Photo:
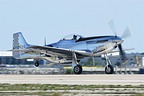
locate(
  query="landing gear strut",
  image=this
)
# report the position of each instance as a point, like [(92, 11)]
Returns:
[(109, 68), (76, 67)]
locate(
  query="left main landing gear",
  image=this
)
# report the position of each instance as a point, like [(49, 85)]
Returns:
[(109, 68)]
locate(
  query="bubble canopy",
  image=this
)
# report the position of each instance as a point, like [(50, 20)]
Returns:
[(72, 37)]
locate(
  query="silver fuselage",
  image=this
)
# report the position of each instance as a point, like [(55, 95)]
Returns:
[(98, 45)]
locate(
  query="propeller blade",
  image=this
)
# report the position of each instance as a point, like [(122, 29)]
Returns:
[(122, 54), (112, 26), (126, 33)]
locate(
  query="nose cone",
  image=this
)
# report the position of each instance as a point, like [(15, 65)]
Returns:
[(118, 40)]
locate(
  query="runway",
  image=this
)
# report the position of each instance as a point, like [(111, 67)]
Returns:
[(74, 79)]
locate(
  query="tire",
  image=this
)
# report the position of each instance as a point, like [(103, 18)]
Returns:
[(78, 69), (37, 64), (109, 69)]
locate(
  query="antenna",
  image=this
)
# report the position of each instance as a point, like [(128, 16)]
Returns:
[(45, 41)]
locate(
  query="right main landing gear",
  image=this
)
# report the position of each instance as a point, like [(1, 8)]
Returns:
[(76, 67), (109, 68)]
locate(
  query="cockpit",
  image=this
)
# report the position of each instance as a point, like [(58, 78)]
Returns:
[(72, 37)]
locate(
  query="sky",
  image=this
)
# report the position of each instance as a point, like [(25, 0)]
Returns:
[(54, 19)]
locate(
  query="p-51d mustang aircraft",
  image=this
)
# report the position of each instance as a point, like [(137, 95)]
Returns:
[(69, 49)]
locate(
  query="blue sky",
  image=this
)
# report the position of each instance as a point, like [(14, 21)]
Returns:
[(54, 19)]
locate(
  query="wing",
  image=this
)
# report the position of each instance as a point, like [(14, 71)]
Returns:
[(115, 51), (61, 52)]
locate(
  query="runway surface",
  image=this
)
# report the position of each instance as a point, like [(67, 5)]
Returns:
[(82, 79)]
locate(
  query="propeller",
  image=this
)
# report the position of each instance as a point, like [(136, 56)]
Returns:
[(124, 35), (122, 54), (112, 26)]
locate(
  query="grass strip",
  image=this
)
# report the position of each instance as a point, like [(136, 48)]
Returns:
[(26, 87)]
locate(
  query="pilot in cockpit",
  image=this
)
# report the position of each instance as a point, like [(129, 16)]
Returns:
[(74, 37)]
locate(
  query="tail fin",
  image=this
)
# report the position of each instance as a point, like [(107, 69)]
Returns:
[(19, 43)]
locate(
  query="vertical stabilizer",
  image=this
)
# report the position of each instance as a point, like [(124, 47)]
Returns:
[(19, 44)]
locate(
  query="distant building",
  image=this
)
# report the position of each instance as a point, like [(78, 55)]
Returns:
[(7, 58)]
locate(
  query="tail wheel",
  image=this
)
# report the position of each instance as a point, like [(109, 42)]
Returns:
[(36, 63), (109, 69), (78, 69)]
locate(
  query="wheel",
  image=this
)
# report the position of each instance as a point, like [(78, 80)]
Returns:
[(109, 69), (78, 69), (36, 63)]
